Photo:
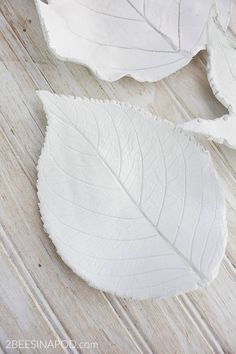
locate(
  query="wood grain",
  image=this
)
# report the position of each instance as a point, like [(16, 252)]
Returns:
[(40, 296)]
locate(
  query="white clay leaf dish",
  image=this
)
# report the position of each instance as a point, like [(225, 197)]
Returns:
[(148, 39), (132, 204), (222, 78)]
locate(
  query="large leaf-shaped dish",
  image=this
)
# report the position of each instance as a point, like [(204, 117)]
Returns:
[(222, 78), (131, 203), (145, 39)]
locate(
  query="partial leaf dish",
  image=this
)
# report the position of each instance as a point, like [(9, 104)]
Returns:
[(222, 78), (145, 39), (132, 204)]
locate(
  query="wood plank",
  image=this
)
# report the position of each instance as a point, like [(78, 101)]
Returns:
[(166, 326), (20, 317), (217, 307)]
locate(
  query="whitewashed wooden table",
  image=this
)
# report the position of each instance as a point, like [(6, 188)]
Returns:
[(41, 298)]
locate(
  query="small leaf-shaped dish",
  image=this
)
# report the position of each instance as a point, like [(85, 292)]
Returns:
[(145, 39), (132, 204), (222, 78)]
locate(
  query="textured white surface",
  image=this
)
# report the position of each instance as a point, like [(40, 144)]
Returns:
[(222, 78), (145, 39), (202, 321), (131, 203)]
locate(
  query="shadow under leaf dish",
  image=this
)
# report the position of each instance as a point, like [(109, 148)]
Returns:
[(222, 78), (147, 40), (132, 204)]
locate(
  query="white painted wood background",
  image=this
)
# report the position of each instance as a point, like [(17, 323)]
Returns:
[(40, 296)]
